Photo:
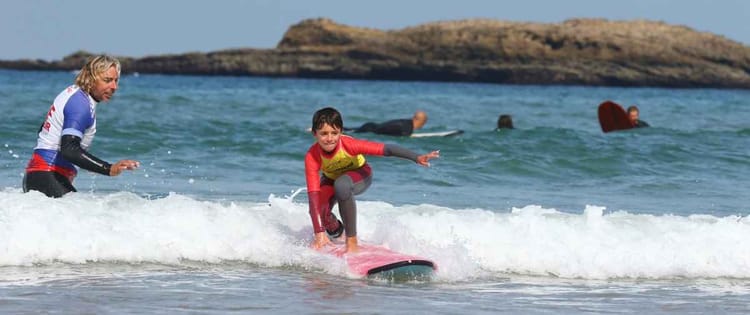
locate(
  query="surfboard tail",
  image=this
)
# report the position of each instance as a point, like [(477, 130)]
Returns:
[(374, 261), (612, 117)]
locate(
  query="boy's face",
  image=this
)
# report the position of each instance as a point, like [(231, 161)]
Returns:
[(327, 137)]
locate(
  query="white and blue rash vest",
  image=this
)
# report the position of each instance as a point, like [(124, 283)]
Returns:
[(72, 113)]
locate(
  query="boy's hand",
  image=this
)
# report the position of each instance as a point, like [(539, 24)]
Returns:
[(424, 159), (321, 239)]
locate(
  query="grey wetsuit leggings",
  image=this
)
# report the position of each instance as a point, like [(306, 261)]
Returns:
[(345, 188)]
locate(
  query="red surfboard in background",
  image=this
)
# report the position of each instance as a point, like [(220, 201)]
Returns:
[(612, 117)]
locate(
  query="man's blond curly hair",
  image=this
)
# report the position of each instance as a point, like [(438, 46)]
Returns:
[(93, 69)]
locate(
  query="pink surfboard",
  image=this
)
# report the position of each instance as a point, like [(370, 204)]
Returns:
[(379, 261)]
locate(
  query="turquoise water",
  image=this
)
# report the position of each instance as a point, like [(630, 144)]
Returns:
[(554, 216)]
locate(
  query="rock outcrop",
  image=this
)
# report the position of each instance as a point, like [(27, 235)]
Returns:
[(575, 52)]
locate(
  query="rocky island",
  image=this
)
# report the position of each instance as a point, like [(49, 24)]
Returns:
[(575, 52)]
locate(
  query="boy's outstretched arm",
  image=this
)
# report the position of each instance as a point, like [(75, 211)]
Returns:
[(395, 150)]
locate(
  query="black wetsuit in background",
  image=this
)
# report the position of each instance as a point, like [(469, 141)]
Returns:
[(396, 127), (640, 124)]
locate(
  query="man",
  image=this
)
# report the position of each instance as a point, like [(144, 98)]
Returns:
[(69, 128), (633, 114), (396, 127)]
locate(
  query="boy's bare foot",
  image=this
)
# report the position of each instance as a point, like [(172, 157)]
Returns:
[(351, 244)]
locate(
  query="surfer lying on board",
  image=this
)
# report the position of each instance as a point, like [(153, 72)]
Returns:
[(346, 173), (396, 127), (633, 114), (69, 128)]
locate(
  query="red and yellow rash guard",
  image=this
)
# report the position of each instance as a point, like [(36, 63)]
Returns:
[(347, 156)]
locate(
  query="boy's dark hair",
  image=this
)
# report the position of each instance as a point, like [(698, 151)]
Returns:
[(328, 115), (632, 108)]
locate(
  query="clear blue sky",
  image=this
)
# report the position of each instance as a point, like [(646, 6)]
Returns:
[(52, 29)]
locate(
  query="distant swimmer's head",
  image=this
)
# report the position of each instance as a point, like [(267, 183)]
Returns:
[(633, 114), (419, 119), (504, 122), (326, 127), (99, 77)]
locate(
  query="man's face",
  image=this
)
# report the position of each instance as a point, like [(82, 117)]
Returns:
[(633, 115), (106, 86)]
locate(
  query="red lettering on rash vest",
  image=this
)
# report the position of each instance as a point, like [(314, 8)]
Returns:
[(47, 124)]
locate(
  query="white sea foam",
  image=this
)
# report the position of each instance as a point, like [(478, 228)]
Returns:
[(465, 243)]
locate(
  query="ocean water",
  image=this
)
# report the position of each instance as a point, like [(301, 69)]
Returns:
[(551, 217)]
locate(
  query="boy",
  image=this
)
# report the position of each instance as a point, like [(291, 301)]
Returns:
[(345, 174)]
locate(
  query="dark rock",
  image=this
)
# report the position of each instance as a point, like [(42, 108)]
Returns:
[(579, 51)]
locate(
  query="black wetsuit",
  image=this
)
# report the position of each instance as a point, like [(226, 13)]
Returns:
[(396, 127), (640, 124), (54, 184)]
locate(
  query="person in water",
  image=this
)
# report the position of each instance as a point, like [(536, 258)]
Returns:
[(396, 127), (504, 122), (633, 114), (69, 128), (346, 173)]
